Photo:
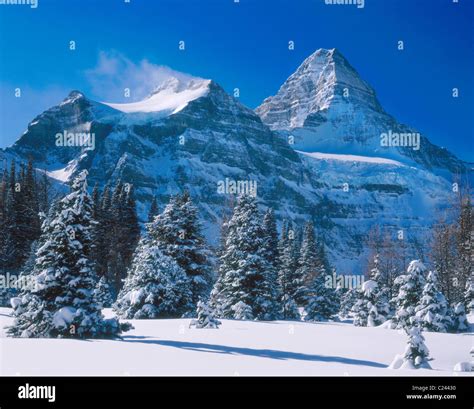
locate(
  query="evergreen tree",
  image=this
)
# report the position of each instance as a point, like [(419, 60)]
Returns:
[(177, 232), (416, 353), (96, 205), (272, 257), (432, 312), (102, 293), (409, 294), (469, 295), (205, 317), (117, 233), (459, 320), (155, 287), (242, 311), (348, 299), (154, 211), (242, 288), (322, 304), (310, 265), (362, 306), (44, 193), (288, 282), (379, 310), (465, 246), (129, 228), (106, 235), (61, 303)]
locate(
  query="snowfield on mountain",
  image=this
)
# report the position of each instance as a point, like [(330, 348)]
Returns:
[(170, 347)]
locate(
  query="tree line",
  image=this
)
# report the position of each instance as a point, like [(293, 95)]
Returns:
[(258, 272)]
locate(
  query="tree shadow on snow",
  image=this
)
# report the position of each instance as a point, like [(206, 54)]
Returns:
[(261, 353)]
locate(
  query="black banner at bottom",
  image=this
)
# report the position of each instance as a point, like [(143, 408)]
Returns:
[(236, 392)]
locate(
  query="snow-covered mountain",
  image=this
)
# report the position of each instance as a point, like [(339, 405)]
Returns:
[(189, 133), (327, 107)]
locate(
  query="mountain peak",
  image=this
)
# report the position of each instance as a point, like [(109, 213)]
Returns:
[(73, 97), (169, 97), (323, 79), (177, 84)]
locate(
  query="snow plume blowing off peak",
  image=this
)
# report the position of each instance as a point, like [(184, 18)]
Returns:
[(143, 86)]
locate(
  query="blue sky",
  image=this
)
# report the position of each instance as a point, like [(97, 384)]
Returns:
[(242, 45)]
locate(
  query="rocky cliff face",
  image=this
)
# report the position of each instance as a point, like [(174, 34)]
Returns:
[(193, 135)]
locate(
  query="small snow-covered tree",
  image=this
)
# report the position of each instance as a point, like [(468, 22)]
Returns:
[(61, 302), (206, 317), (432, 312), (379, 310), (242, 311), (348, 299), (102, 293), (289, 309), (469, 295), (244, 265), (322, 304), (371, 306), (459, 320), (363, 305), (154, 211), (309, 265), (155, 287), (409, 294), (416, 353), (289, 282), (272, 256)]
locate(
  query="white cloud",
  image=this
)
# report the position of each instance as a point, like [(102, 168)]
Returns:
[(114, 73)]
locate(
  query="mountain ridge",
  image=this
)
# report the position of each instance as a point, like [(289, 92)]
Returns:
[(214, 137)]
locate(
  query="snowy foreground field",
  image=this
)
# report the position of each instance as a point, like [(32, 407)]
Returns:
[(169, 347)]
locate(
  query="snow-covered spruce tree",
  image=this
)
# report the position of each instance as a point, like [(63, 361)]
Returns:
[(272, 256), (206, 317), (362, 306), (155, 286), (465, 246), (61, 302), (154, 211), (102, 293), (287, 281), (469, 295), (416, 353), (379, 310), (322, 301), (177, 232), (348, 299), (432, 312), (309, 265), (243, 266), (459, 319), (242, 311), (409, 294)]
